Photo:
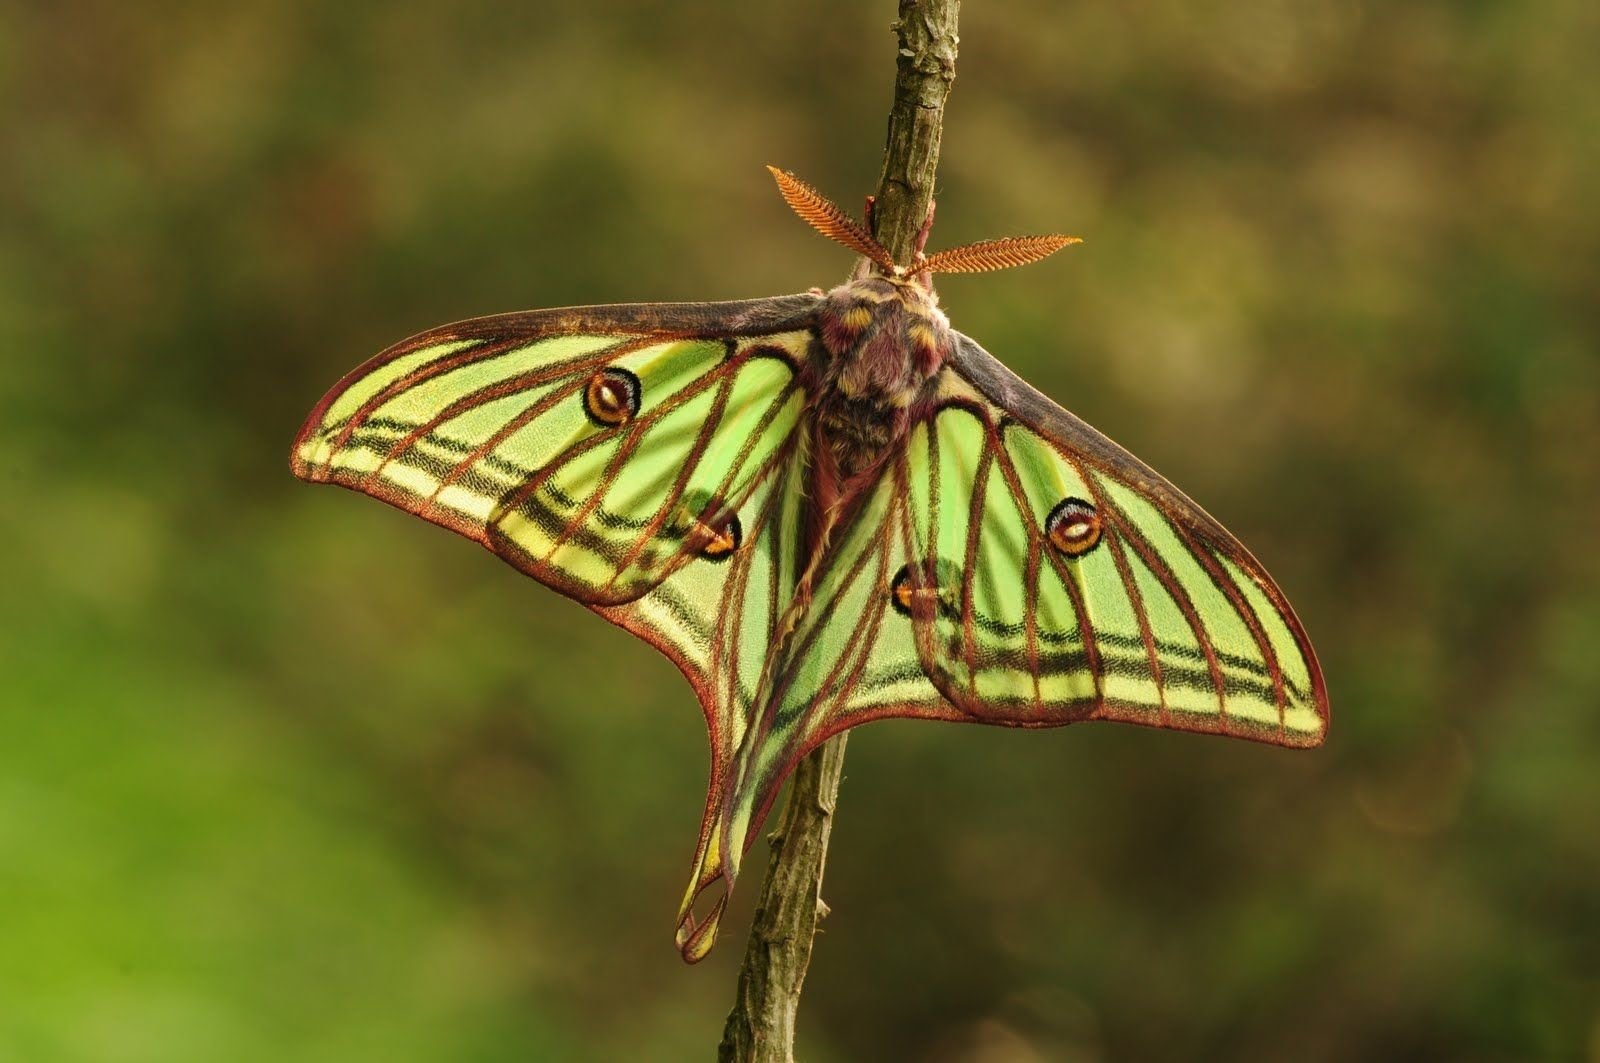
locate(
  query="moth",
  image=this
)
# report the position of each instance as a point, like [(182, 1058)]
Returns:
[(826, 509)]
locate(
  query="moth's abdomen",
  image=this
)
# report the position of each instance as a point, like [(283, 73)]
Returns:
[(858, 431)]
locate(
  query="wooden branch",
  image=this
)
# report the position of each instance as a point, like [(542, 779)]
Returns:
[(927, 69), (760, 1028)]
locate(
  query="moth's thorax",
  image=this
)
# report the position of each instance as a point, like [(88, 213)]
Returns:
[(883, 340), (886, 337)]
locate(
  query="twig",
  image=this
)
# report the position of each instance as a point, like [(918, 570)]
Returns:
[(927, 69), (760, 1028)]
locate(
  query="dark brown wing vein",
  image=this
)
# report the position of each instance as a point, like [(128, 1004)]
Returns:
[(1030, 617), (634, 440), (1091, 646), (922, 628), (481, 352), (749, 444), (734, 596), (725, 643), (1169, 580), (719, 407), (637, 429), (1246, 613), (499, 389), (823, 616), (777, 586), (471, 355), (504, 432), (866, 640), (969, 635), (1120, 559)]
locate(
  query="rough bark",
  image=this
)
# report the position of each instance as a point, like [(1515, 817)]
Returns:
[(926, 70), (760, 1028)]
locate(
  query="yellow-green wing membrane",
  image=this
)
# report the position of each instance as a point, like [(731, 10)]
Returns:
[(1061, 579), (597, 449)]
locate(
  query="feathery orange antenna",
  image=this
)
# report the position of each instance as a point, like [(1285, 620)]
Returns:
[(995, 254), (822, 215), (818, 212)]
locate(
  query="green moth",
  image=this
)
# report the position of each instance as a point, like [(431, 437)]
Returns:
[(825, 509)]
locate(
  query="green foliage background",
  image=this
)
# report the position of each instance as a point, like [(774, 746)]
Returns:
[(286, 775)]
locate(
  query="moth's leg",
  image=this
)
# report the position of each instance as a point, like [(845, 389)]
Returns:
[(869, 213), (923, 277), (863, 268), (922, 233)]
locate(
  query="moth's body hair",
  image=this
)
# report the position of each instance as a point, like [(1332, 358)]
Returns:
[(880, 343)]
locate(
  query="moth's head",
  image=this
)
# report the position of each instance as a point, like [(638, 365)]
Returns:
[(821, 214)]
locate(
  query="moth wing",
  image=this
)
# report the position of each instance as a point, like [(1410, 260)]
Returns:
[(1063, 579), (488, 427), (641, 459)]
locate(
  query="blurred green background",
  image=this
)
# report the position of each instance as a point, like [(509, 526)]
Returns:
[(287, 775)]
